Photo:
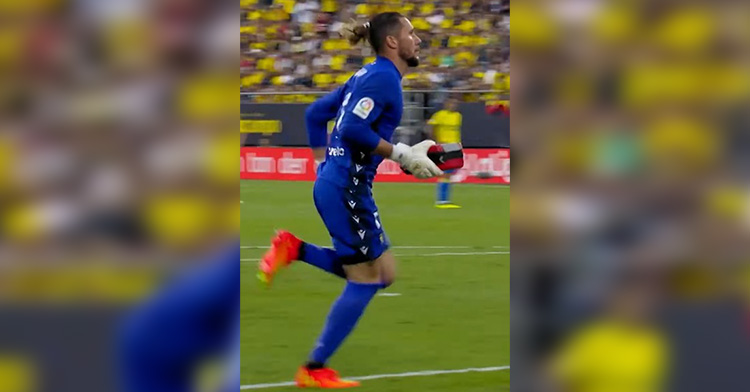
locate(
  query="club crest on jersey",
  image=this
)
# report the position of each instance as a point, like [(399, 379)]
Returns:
[(363, 108)]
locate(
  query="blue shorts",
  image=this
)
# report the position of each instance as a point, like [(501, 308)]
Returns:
[(352, 220)]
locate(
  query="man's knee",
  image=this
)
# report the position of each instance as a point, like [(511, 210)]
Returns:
[(368, 272), (387, 282), (387, 269), (381, 270)]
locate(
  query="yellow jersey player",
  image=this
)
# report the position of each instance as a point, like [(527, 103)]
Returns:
[(622, 350), (446, 128)]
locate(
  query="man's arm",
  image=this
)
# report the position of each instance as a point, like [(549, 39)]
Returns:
[(384, 149), (414, 158), (319, 154), (317, 116), (363, 108)]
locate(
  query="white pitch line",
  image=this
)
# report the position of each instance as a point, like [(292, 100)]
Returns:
[(447, 246), (435, 254), (394, 247), (395, 375), (453, 254), (263, 386), (389, 294)]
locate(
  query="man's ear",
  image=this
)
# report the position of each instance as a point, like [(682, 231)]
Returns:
[(391, 41)]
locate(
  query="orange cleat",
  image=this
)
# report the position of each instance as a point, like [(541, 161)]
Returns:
[(284, 250), (321, 378)]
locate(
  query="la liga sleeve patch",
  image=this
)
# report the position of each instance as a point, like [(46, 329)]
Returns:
[(363, 108)]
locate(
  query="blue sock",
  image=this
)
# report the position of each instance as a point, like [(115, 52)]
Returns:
[(447, 185), (442, 191), (344, 315), (323, 258)]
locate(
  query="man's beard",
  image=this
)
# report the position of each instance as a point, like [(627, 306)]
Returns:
[(412, 61)]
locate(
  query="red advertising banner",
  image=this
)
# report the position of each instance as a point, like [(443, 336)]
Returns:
[(481, 166)]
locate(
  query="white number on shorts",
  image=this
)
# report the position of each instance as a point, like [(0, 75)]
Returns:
[(377, 219)]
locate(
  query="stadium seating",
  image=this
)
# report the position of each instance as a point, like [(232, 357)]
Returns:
[(294, 45)]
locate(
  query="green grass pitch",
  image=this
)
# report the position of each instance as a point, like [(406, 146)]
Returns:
[(453, 279)]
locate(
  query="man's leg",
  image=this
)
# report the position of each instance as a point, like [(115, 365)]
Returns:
[(352, 220), (323, 258), (364, 281), (444, 191), (447, 184), (286, 248)]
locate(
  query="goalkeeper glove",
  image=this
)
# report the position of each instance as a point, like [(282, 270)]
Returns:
[(414, 159)]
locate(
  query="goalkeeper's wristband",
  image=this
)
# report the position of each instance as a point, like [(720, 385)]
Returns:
[(400, 152)]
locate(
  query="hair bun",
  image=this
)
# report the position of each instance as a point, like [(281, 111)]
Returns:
[(355, 32)]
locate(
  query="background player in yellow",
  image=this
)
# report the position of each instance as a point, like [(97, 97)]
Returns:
[(446, 128), (621, 350)]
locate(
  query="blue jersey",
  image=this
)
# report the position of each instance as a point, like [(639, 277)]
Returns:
[(366, 109)]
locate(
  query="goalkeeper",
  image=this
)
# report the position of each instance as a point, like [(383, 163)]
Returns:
[(367, 110)]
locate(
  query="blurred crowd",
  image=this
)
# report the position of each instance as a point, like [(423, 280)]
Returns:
[(295, 45), (118, 150), (112, 128), (631, 202)]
